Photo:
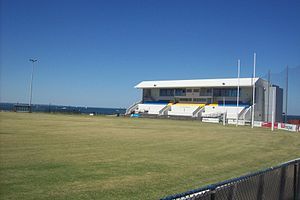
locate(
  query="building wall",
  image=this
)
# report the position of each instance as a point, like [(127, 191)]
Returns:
[(154, 95), (267, 107), (278, 103), (264, 101), (259, 103), (245, 96)]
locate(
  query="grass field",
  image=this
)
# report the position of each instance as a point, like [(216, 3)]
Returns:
[(52, 156)]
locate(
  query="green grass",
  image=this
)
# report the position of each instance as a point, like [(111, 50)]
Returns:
[(44, 156)]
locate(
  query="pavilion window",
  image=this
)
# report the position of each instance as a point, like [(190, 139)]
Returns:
[(180, 92), (166, 92)]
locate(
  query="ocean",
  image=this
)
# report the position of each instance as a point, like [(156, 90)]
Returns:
[(82, 110), (66, 109)]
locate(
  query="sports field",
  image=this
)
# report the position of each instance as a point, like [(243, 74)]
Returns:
[(53, 156)]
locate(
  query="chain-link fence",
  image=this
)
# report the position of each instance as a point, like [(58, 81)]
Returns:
[(288, 80), (276, 183)]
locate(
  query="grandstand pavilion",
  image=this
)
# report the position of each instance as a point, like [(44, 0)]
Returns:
[(209, 98)]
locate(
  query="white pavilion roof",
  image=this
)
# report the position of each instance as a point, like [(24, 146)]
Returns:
[(226, 82)]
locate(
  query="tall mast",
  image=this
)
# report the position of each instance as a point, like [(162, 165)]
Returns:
[(286, 93), (238, 93), (253, 91), (268, 97)]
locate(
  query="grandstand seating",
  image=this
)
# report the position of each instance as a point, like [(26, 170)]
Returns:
[(191, 109), (151, 107), (214, 111), (184, 109)]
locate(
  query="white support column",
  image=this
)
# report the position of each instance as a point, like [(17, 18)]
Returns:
[(253, 90), (238, 93)]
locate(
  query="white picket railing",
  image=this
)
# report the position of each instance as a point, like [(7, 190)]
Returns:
[(132, 107)]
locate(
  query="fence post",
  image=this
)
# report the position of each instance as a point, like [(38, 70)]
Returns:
[(213, 195), (260, 190), (296, 180), (231, 191), (282, 182)]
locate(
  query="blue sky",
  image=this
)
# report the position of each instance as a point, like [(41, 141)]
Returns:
[(92, 53)]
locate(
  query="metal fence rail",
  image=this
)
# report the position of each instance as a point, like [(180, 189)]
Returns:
[(281, 182)]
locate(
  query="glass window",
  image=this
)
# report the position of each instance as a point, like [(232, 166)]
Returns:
[(147, 92), (217, 92), (185, 99), (180, 92), (233, 93), (225, 92), (202, 100), (205, 91), (166, 92), (196, 90), (189, 90)]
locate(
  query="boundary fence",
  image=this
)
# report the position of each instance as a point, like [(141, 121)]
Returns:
[(281, 182)]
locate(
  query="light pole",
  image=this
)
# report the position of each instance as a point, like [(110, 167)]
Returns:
[(238, 93), (30, 97)]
